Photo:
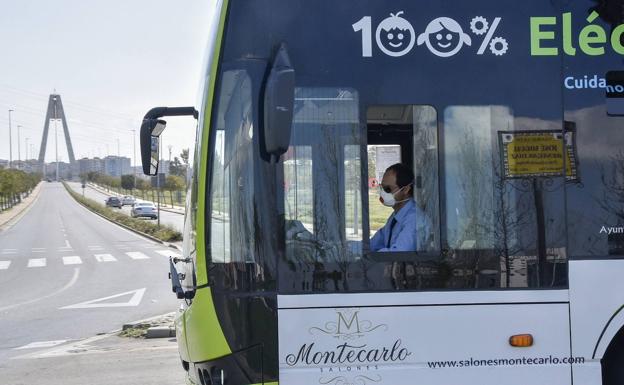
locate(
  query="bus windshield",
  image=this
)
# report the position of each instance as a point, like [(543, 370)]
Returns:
[(491, 143)]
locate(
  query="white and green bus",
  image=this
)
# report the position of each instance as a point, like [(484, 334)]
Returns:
[(508, 113)]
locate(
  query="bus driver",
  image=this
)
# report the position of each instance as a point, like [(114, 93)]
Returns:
[(400, 231)]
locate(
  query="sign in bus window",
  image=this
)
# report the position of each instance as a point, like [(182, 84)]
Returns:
[(530, 154)]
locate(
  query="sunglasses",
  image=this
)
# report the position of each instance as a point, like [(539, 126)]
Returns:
[(387, 189)]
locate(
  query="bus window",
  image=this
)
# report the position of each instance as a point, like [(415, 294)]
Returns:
[(404, 134), (321, 177), (298, 192), (352, 193), (504, 197), (232, 180)]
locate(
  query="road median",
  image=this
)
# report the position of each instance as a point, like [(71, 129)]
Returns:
[(162, 233)]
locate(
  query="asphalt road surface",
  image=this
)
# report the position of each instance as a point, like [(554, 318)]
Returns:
[(173, 219), (67, 274)]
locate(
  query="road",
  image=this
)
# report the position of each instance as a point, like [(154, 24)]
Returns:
[(173, 219), (67, 274)]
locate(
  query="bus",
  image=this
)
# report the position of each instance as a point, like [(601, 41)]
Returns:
[(509, 114)]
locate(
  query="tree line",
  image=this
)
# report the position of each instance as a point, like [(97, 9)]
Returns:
[(14, 181), (14, 185), (127, 182)]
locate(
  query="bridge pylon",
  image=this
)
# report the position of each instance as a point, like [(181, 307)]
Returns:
[(56, 111)]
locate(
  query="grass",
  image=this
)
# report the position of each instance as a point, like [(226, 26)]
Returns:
[(135, 331), (162, 232)]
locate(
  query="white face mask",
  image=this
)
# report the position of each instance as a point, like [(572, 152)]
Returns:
[(387, 199)]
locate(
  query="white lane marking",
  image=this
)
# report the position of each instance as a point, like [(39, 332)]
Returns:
[(67, 244), (135, 300), (69, 284), (136, 255), (9, 251), (95, 247), (4, 265), (168, 253), (37, 249), (88, 346), (41, 344), (37, 262), (73, 260), (104, 258)]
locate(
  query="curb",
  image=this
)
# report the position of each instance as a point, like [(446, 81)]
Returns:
[(160, 332), (154, 331), (144, 320), (168, 244), (170, 211)]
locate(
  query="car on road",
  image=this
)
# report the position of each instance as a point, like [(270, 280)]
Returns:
[(113, 202), (128, 200), (144, 209)]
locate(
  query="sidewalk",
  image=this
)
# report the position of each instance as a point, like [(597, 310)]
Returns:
[(101, 360), (12, 213), (175, 210)]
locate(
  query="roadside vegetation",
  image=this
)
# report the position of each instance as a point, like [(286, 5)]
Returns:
[(172, 192), (162, 232), (15, 185)]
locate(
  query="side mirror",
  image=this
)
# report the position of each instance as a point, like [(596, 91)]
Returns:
[(279, 100), (151, 128), (150, 144)]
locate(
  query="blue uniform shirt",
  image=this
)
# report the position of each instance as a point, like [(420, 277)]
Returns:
[(410, 227)]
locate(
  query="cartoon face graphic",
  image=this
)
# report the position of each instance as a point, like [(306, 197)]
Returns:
[(395, 40), (395, 35), (444, 37)]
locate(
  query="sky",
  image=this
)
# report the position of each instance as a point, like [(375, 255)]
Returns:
[(110, 61)]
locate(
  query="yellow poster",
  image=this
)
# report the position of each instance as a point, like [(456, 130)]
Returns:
[(528, 154)]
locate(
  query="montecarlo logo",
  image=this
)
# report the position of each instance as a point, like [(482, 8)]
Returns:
[(348, 325), (348, 354)]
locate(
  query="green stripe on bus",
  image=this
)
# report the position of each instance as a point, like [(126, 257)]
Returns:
[(205, 338), (204, 335), (202, 275)]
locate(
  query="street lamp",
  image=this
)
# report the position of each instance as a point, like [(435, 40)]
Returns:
[(26, 157), (134, 155), (19, 155), (10, 141)]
